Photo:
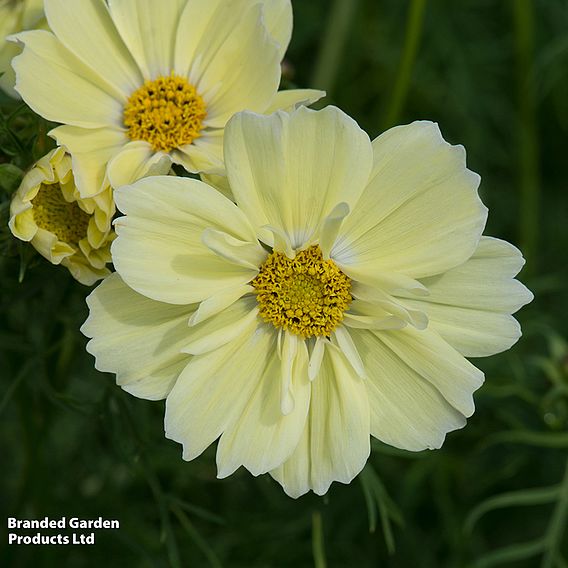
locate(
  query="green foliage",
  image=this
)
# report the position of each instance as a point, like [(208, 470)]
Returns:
[(494, 75)]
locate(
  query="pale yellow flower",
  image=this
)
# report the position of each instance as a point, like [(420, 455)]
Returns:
[(337, 299), (65, 228), (15, 16), (141, 84)]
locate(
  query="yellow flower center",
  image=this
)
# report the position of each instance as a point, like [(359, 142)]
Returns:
[(166, 112), (67, 221), (306, 296)]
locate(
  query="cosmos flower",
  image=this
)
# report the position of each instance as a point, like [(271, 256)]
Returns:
[(64, 227), (140, 84), (337, 299), (15, 16)]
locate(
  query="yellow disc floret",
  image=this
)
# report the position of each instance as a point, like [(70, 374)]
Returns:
[(166, 112), (306, 295), (67, 221)]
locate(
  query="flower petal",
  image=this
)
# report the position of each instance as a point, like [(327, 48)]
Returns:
[(335, 444), (159, 251), (239, 69), (90, 150), (221, 328), (136, 160), (435, 361), (420, 213), (138, 339), (470, 305), (148, 28), (214, 389), (292, 99), (204, 154), (56, 85), (278, 20), (290, 170), (261, 438), (86, 29), (406, 411)]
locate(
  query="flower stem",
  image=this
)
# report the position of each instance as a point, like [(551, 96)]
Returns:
[(318, 548), (414, 25), (528, 141), (328, 62)]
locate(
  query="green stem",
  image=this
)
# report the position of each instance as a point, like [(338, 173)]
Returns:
[(528, 140), (318, 548), (557, 525), (414, 25), (329, 57)]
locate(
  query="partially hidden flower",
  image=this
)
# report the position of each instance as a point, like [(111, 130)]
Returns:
[(15, 16), (337, 299), (62, 226), (141, 84)]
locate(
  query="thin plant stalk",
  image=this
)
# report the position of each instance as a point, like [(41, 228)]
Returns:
[(329, 58), (528, 137), (414, 25)]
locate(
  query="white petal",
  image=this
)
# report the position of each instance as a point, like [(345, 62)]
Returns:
[(420, 213), (316, 358), (292, 99), (330, 228), (234, 63), (215, 304), (438, 363), (148, 28), (159, 251), (290, 170), (406, 411), (90, 150), (222, 328), (56, 85), (349, 350), (214, 388), (87, 30), (278, 21), (247, 254), (261, 438), (135, 161), (204, 154), (484, 282), (470, 306), (335, 444), (138, 339)]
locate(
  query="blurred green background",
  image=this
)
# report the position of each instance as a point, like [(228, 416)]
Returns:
[(494, 74)]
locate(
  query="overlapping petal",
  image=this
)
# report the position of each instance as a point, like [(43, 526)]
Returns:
[(86, 29), (335, 444), (214, 388), (470, 305), (147, 28), (420, 213), (288, 171), (159, 250), (406, 410), (90, 152), (137, 338), (60, 87)]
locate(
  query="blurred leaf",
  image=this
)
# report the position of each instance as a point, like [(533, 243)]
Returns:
[(10, 178), (536, 496), (521, 551), (541, 439)]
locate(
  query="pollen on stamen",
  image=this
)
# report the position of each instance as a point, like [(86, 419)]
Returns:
[(306, 295), (167, 112), (51, 212)]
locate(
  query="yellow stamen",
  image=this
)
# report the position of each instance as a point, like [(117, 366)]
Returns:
[(306, 296), (166, 112), (67, 221)]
